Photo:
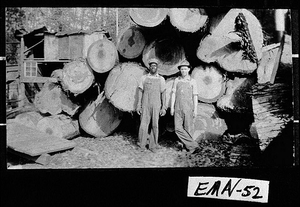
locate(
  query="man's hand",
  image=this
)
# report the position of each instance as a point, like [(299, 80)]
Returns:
[(162, 112), (172, 111), (139, 110)]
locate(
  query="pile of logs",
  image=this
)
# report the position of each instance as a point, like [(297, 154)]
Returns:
[(225, 49)]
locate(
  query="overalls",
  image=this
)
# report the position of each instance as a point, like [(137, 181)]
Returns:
[(151, 105), (183, 114)]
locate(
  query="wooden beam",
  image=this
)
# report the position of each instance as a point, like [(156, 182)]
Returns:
[(37, 79)]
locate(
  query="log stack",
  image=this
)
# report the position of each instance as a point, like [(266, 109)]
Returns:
[(224, 48)]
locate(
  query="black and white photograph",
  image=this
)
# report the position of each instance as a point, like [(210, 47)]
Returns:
[(152, 88)]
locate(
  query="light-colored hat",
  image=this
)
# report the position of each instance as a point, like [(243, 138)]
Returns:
[(153, 60), (184, 63)]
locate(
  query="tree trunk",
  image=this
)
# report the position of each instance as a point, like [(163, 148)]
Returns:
[(51, 99), (210, 82), (60, 126), (235, 42), (102, 55), (169, 54), (131, 43), (99, 118), (187, 20), (148, 17), (77, 77), (121, 86)]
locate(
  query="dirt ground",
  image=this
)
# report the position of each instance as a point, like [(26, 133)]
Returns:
[(121, 151)]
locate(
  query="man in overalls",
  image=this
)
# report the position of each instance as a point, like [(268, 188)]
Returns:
[(151, 104), (184, 101)]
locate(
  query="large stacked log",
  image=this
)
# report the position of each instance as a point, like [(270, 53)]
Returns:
[(188, 19), (208, 124), (148, 17), (235, 42), (77, 77), (210, 82), (169, 53), (131, 42), (102, 56), (60, 126), (100, 118), (53, 100), (121, 86)]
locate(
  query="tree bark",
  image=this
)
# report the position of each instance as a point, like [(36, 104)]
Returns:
[(102, 56), (235, 42), (148, 17), (210, 82), (100, 118), (187, 20), (121, 86)]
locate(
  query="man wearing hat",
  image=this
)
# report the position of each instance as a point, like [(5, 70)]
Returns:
[(184, 101), (151, 105)]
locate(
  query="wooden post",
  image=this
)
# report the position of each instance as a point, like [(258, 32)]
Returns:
[(21, 72), (117, 22)]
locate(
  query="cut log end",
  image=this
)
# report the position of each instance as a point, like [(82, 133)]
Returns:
[(77, 77), (169, 53), (121, 86), (210, 83), (102, 56), (148, 17), (131, 43), (234, 54), (187, 20)]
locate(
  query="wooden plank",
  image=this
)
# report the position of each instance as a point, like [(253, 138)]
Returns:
[(43, 159), (37, 79), (29, 141)]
